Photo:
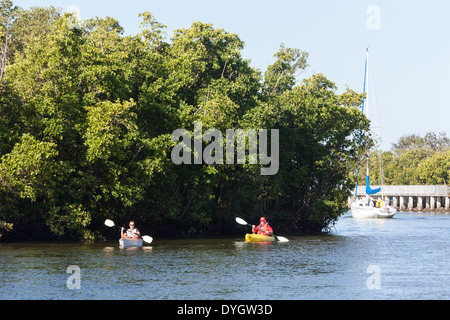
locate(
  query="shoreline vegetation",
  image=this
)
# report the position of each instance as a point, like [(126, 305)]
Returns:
[(413, 160), (87, 113)]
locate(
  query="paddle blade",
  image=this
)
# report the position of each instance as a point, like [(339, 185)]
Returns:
[(241, 221), (282, 239), (147, 239), (109, 223)]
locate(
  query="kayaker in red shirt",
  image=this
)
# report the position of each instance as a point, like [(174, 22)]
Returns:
[(263, 228)]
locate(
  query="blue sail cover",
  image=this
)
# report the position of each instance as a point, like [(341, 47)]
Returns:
[(369, 190)]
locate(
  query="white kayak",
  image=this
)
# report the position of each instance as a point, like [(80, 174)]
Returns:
[(126, 243)]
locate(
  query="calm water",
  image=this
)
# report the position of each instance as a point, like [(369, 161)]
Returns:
[(407, 257)]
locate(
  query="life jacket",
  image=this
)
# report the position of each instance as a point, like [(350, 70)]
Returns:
[(263, 229), (133, 233)]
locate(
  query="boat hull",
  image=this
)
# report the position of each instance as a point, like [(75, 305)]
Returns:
[(386, 215), (364, 213), (127, 243), (368, 212), (258, 238)]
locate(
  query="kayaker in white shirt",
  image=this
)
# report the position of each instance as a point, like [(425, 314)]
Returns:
[(132, 233)]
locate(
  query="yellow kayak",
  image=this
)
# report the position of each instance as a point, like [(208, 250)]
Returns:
[(258, 238)]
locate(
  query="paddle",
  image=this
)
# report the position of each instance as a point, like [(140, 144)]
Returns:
[(244, 223), (110, 223)]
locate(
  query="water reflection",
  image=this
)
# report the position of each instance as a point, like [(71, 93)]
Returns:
[(244, 244), (331, 266)]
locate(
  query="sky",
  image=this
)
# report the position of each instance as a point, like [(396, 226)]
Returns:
[(409, 46)]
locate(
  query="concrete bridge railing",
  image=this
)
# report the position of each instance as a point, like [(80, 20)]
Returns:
[(413, 198)]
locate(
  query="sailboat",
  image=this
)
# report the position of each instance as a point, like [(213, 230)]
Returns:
[(366, 207)]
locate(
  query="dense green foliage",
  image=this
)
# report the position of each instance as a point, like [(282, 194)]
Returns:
[(86, 116), (413, 160)]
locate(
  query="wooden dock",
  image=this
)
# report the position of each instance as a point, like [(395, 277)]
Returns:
[(413, 198)]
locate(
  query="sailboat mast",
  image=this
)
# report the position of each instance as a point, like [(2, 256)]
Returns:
[(365, 104), (366, 74), (362, 110), (369, 190)]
